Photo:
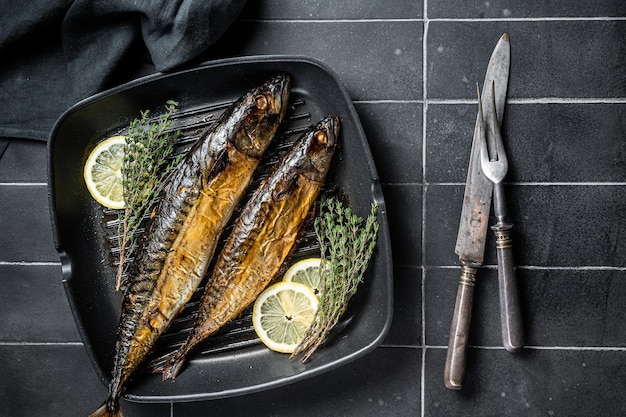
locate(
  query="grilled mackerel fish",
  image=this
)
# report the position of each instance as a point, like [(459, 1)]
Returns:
[(262, 237), (196, 204)]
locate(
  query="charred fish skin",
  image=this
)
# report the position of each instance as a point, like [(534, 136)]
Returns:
[(195, 206), (263, 235)]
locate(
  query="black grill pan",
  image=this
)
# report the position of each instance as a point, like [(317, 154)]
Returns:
[(232, 362)]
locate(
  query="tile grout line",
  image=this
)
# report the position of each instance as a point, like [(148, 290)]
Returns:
[(515, 101), (41, 344), (524, 184), (425, 26), (534, 19), (526, 347), (577, 268), (445, 20), (567, 100), (555, 348), (541, 268), (421, 268), (520, 183), (24, 184)]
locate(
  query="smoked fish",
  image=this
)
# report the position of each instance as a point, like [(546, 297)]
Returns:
[(196, 203), (263, 236)]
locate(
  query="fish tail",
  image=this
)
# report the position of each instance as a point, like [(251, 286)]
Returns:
[(170, 364), (156, 366), (108, 409), (173, 368)]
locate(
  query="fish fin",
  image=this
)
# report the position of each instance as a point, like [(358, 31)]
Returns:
[(285, 187), (106, 410), (220, 162)]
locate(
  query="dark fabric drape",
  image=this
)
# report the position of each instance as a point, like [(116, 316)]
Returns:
[(54, 53)]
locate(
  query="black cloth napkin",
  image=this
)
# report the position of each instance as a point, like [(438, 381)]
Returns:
[(54, 53)]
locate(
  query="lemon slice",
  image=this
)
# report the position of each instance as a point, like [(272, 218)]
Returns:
[(282, 314), (307, 272), (103, 172)]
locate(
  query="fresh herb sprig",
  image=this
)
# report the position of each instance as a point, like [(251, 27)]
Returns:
[(348, 242), (147, 162)]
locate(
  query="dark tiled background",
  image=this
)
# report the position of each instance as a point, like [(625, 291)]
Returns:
[(411, 70)]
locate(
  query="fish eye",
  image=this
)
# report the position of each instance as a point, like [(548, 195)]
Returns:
[(321, 137), (261, 102)]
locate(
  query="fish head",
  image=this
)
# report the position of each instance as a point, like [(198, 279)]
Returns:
[(324, 139), (263, 109)]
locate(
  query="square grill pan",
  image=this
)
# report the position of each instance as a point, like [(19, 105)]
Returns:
[(232, 362)]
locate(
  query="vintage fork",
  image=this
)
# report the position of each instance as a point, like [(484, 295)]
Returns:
[(495, 168)]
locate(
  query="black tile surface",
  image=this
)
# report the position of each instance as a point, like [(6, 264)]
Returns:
[(561, 142), (387, 382), (406, 326), (380, 59), (570, 225), (590, 316), (56, 380), (406, 229), (525, 9), (33, 306), (25, 224), (394, 134), (577, 383), (548, 230), (47, 379), (560, 58), (24, 161), (411, 70), (332, 10), (545, 142)]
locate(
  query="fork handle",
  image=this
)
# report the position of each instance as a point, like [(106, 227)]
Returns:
[(510, 310), (454, 370)]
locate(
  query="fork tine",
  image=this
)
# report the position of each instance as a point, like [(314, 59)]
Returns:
[(484, 151), (482, 131), (494, 130), (496, 168)]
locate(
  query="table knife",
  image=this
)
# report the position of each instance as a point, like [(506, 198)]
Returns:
[(470, 244)]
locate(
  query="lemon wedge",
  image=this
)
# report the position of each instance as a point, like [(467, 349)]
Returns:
[(103, 172), (307, 272), (282, 314)]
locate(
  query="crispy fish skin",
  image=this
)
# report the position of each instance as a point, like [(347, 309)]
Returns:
[(263, 235), (180, 240)]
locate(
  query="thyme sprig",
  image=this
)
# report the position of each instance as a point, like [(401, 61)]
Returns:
[(348, 242), (147, 162)]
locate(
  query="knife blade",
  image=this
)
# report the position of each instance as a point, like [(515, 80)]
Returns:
[(470, 244)]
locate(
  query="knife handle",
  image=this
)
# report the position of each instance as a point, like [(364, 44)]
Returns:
[(454, 370), (510, 310)]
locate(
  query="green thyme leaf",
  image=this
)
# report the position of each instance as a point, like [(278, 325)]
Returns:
[(348, 242), (148, 160)]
